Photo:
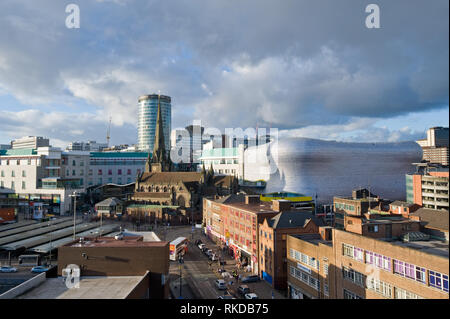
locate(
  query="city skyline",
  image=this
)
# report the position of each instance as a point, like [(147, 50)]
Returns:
[(329, 77)]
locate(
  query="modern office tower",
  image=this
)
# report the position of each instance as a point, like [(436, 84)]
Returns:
[(435, 146), (147, 113)]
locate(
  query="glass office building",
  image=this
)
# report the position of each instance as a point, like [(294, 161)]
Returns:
[(147, 113)]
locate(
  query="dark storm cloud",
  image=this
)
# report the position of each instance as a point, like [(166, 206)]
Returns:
[(289, 63)]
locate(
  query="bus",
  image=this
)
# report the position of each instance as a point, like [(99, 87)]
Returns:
[(29, 260), (176, 247)]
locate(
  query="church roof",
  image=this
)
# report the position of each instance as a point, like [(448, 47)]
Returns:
[(170, 177)]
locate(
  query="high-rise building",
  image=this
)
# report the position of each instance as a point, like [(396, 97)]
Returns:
[(435, 146), (147, 114), (428, 186)]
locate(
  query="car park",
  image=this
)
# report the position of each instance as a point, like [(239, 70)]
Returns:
[(252, 278), (243, 290), (251, 296), (8, 269), (220, 284)]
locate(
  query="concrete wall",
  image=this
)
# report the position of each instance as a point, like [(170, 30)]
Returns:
[(24, 287)]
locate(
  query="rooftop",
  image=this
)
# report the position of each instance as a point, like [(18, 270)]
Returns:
[(90, 288), (128, 241), (313, 239), (433, 218), (293, 219), (18, 152), (433, 247)]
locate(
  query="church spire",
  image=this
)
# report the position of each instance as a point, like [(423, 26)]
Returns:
[(159, 150)]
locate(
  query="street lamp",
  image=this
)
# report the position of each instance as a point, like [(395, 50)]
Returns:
[(180, 261), (74, 195)]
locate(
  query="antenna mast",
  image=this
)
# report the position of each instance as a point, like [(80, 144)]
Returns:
[(108, 132)]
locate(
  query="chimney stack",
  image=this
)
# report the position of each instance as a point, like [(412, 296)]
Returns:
[(281, 205), (251, 199)]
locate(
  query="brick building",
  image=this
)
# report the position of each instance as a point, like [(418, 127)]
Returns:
[(272, 243), (352, 266), (130, 256)]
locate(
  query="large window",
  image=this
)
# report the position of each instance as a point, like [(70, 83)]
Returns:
[(350, 295), (405, 294), (354, 276), (409, 271), (380, 287), (353, 252), (379, 261), (438, 280)]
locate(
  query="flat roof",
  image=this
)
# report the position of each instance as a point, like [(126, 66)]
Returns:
[(433, 247), (127, 241), (260, 207), (90, 288), (313, 239)]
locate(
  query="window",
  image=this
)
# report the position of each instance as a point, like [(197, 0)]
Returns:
[(119, 172), (100, 172), (347, 250), (373, 229), (73, 173), (353, 276), (74, 163), (380, 287), (110, 172), (350, 295), (378, 260), (438, 280), (128, 171), (29, 161), (13, 185), (23, 185), (2, 174), (405, 294), (2, 185), (13, 174)]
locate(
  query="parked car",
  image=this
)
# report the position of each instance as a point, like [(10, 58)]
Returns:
[(252, 278), (213, 257), (208, 252), (40, 269), (226, 275), (251, 296), (220, 284), (198, 242), (201, 246), (223, 262), (226, 297), (8, 269), (243, 289)]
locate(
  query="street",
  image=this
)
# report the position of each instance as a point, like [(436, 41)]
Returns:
[(200, 276)]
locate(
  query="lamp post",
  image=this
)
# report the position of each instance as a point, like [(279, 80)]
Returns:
[(180, 261), (74, 195), (50, 246)]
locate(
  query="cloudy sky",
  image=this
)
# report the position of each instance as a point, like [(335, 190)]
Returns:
[(309, 68)]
